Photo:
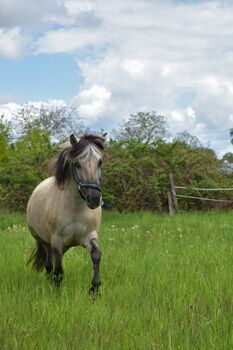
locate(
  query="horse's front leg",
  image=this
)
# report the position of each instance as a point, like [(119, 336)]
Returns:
[(95, 257)]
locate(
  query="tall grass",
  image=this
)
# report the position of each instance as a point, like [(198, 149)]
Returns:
[(167, 284)]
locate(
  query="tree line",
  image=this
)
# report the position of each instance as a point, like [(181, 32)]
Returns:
[(138, 159)]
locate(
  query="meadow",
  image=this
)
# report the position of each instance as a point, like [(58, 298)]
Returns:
[(167, 283)]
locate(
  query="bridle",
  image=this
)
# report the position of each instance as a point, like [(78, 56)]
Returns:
[(81, 184)]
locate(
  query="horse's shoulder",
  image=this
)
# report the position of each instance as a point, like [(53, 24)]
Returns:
[(49, 182)]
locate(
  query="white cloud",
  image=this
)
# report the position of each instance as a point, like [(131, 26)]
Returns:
[(178, 116), (12, 42), (92, 102), (7, 110), (190, 112), (96, 92), (66, 40), (134, 67), (166, 69), (74, 7), (144, 55), (159, 50), (183, 119)]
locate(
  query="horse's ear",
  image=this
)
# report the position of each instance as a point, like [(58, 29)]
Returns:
[(104, 136), (73, 140)]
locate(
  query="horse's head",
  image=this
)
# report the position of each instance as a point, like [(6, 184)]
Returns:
[(84, 159)]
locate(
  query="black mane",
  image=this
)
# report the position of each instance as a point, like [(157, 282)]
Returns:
[(71, 152)]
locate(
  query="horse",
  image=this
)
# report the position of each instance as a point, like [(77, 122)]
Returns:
[(64, 210)]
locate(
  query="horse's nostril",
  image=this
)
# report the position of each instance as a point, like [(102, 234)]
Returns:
[(95, 200)]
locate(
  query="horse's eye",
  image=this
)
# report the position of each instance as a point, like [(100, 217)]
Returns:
[(100, 163), (78, 166)]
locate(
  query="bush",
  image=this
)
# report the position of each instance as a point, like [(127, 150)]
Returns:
[(24, 167), (135, 176)]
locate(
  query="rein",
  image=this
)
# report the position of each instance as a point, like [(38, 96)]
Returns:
[(83, 184)]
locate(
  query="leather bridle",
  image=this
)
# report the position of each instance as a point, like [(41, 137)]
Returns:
[(81, 184)]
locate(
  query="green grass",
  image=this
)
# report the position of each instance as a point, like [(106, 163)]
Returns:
[(167, 284)]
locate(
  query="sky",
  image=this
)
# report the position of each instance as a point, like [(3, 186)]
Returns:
[(112, 59)]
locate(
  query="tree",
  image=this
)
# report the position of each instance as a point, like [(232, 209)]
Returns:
[(231, 135), (25, 166), (135, 174), (58, 119), (5, 129), (189, 139), (228, 157), (145, 127)]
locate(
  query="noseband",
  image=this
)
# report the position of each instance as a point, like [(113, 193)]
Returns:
[(83, 184)]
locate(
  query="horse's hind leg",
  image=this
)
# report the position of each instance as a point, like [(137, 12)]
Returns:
[(57, 250), (48, 261), (95, 257)]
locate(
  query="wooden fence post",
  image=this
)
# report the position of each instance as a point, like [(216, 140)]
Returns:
[(173, 193), (170, 204)]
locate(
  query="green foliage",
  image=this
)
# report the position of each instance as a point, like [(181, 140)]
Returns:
[(231, 135), (136, 174), (4, 140), (129, 178), (24, 167), (228, 156)]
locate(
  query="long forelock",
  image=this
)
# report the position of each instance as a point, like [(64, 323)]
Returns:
[(90, 152), (85, 143)]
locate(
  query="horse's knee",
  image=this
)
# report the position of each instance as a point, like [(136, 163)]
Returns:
[(96, 255)]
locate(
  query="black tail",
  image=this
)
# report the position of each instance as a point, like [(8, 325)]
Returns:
[(38, 257)]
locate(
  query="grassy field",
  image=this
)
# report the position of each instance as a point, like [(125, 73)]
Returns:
[(167, 284)]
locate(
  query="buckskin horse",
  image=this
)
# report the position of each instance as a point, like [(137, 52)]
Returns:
[(65, 210)]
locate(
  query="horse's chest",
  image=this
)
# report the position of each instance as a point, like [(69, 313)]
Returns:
[(76, 232)]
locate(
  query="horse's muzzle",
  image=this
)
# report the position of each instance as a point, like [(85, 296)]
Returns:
[(93, 201)]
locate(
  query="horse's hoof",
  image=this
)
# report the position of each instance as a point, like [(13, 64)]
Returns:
[(57, 280), (48, 275), (93, 291)]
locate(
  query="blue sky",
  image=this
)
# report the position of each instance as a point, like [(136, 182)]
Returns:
[(111, 59), (40, 77)]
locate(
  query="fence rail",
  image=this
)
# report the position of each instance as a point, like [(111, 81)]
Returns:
[(173, 201), (205, 199), (203, 189)]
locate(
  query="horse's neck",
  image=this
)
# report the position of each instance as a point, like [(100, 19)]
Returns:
[(72, 192)]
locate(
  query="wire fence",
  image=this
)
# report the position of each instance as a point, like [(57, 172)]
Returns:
[(173, 201)]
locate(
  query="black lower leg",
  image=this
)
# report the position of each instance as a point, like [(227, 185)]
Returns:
[(48, 262), (95, 257), (58, 271)]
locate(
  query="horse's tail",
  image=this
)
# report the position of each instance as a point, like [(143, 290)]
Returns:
[(38, 257)]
